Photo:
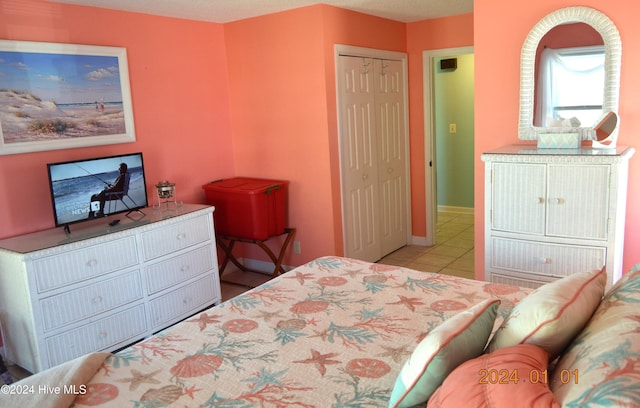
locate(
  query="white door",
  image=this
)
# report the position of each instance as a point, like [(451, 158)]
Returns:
[(373, 158), (359, 159), (390, 127)]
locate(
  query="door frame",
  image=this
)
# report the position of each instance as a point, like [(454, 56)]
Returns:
[(430, 190), (353, 51)]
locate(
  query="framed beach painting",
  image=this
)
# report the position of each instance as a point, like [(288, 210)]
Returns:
[(62, 96)]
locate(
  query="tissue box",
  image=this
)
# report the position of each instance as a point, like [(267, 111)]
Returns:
[(558, 141)]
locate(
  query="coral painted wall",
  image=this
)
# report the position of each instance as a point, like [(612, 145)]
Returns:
[(283, 109), (500, 29), (179, 88)]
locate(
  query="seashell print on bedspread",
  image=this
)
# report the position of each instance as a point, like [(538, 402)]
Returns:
[(332, 333)]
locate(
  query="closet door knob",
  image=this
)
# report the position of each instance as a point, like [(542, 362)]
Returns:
[(365, 176), (540, 200), (559, 201)]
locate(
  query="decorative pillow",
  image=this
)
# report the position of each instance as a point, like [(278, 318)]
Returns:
[(553, 314), (517, 373), (602, 366), (455, 341)]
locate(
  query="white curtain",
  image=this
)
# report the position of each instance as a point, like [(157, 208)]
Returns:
[(563, 77)]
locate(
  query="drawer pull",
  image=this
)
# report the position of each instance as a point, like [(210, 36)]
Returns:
[(185, 268), (103, 334), (92, 262), (97, 299), (545, 260), (187, 300), (181, 236)]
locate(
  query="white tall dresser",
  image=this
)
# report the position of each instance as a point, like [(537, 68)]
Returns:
[(102, 287), (550, 213)]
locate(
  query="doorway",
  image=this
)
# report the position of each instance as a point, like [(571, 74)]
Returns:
[(448, 132)]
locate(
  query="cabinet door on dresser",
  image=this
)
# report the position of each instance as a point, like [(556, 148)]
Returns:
[(578, 201), (518, 197)]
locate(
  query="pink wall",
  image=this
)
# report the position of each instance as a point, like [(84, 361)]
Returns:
[(179, 88), (500, 28), (283, 110), (448, 32)]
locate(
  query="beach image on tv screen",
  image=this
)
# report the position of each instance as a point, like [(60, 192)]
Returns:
[(74, 183)]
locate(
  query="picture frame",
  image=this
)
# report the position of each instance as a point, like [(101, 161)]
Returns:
[(62, 96)]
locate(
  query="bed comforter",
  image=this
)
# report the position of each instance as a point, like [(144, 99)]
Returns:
[(332, 333)]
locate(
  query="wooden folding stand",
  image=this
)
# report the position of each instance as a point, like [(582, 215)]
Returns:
[(227, 247)]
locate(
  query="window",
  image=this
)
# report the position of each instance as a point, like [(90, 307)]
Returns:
[(570, 87)]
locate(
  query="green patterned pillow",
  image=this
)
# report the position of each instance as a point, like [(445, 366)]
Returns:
[(601, 367), (455, 341)]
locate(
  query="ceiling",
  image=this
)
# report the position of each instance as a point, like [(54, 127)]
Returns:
[(224, 11)]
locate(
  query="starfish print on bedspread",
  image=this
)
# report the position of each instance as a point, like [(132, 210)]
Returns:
[(205, 319), (320, 360), (410, 303), (138, 378)]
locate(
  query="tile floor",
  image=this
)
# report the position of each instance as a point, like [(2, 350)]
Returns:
[(452, 255)]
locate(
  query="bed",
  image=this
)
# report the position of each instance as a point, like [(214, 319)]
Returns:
[(335, 332)]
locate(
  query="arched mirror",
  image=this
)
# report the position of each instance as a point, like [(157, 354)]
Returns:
[(580, 31)]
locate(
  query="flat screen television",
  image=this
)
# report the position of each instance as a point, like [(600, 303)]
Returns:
[(92, 188)]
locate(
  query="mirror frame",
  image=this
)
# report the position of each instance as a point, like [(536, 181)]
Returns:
[(613, 56)]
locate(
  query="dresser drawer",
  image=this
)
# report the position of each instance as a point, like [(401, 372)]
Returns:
[(175, 237), (117, 328), (170, 272), (516, 281), (74, 266), (181, 302), (91, 300), (547, 259)]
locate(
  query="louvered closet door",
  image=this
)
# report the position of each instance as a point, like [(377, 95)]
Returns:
[(359, 159), (390, 126)]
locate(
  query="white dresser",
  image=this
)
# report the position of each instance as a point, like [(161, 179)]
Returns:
[(553, 212), (102, 287)]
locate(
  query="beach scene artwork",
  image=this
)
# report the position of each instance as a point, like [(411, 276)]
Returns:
[(50, 97)]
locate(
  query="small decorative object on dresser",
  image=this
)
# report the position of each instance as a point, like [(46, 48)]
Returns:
[(104, 288), (166, 191), (550, 213)]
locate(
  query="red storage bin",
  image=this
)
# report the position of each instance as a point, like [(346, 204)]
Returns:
[(248, 208)]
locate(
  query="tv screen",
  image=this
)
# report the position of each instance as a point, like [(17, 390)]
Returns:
[(86, 189)]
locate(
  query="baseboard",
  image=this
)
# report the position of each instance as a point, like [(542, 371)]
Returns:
[(420, 241), (457, 210)]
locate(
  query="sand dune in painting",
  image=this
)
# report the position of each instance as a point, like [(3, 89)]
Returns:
[(26, 118)]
